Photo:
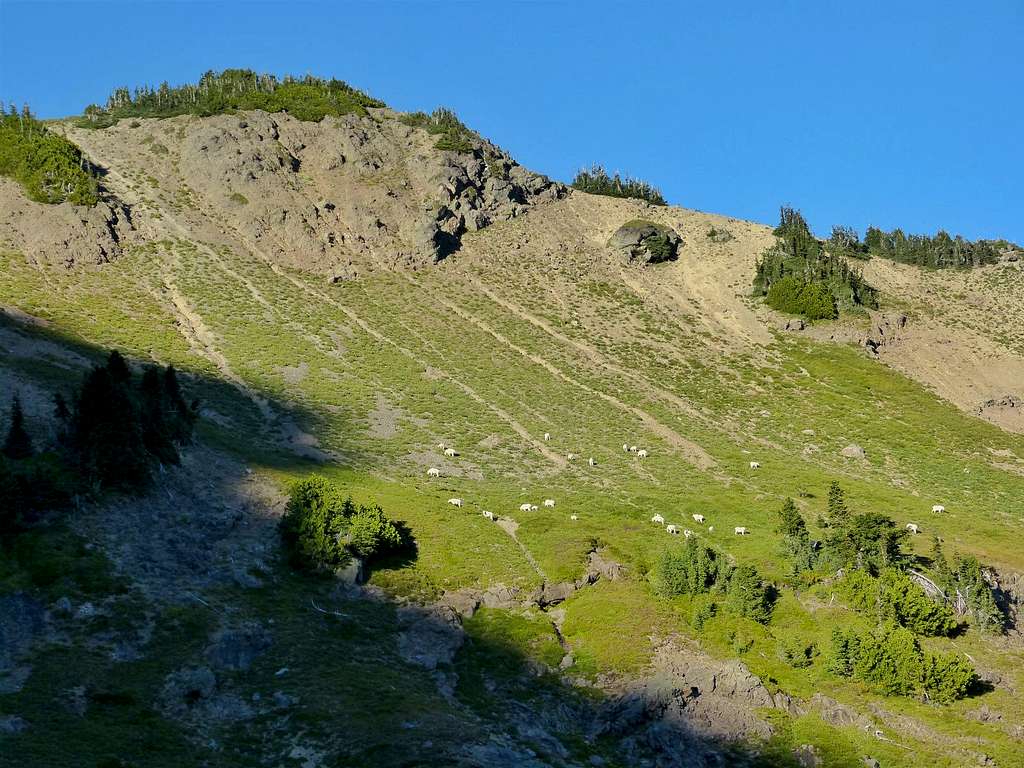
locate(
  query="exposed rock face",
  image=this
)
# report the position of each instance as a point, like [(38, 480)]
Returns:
[(65, 234), (341, 196), (646, 242), (688, 700), (887, 329), (432, 637)]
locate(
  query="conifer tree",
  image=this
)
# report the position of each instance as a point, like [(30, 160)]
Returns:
[(838, 512), (18, 444)]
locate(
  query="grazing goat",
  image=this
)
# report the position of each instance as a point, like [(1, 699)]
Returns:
[(433, 472), (642, 453), (912, 527), (632, 449), (755, 465), (524, 507), (571, 456), (549, 502), (687, 532), (698, 518), (488, 515), (450, 452), (455, 502), (741, 531), (938, 508), (673, 529), (658, 519), (574, 517), (625, 447), (591, 462), (547, 435)]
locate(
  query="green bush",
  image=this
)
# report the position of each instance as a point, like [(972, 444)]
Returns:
[(322, 528), (796, 541), (315, 517), (371, 534), (748, 596), (784, 295), (892, 662), (704, 608), (871, 542), (49, 167), (795, 653), (817, 302), (947, 677), (691, 570), (596, 181), (895, 597)]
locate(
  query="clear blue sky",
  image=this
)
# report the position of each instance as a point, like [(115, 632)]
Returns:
[(905, 113)]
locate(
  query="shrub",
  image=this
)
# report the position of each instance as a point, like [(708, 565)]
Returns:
[(49, 167), (784, 295), (453, 133), (817, 302), (892, 662), (692, 570), (906, 603), (371, 534), (947, 677), (748, 596), (322, 528), (313, 523), (238, 197), (704, 609), (796, 653), (596, 181)]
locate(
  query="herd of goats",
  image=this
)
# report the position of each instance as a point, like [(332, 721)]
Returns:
[(740, 530), (642, 453)]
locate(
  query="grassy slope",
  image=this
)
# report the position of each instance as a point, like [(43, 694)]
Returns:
[(467, 380)]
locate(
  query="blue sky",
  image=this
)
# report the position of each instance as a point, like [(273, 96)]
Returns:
[(903, 114)]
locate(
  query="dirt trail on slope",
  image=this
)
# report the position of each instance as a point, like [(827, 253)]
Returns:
[(510, 526), (690, 450)]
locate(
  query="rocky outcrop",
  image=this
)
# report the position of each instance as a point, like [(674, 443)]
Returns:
[(646, 242), (887, 329), (65, 234)]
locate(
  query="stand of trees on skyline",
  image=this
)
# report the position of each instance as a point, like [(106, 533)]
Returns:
[(307, 98)]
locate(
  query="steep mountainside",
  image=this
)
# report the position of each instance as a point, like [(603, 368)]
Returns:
[(344, 297)]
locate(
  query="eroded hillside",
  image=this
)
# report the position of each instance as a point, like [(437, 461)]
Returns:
[(292, 270)]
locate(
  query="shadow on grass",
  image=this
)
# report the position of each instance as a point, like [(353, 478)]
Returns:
[(349, 677)]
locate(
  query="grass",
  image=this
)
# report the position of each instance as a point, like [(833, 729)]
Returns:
[(468, 387)]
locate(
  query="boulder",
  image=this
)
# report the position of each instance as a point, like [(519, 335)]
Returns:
[(854, 451), (646, 242)]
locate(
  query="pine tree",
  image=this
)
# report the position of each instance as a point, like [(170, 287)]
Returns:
[(18, 444), (838, 512)]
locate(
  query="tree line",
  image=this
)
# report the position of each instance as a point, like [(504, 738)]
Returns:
[(597, 181), (800, 275), (115, 428), (307, 98), (50, 168)]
